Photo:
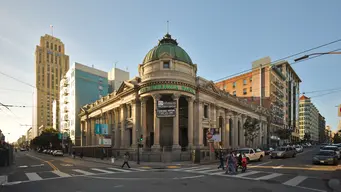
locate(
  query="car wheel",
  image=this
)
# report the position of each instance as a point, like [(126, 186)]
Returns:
[(294, 155), (260, 158)]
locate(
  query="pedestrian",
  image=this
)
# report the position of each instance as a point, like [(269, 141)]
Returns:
[(221, 158), (230, 164), (74, 154), (125, 160)]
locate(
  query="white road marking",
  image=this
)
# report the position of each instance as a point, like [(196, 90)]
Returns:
[(207, 171), (261, 164), (83, 172), (37, 165), (219, 173), (189, 168), (137, 169), (267, 177), (278, 167), (247, 173), (33, 176), (61, 174), (295, 181), (102, 170), (117, 169), (198, 169), (23, 166)]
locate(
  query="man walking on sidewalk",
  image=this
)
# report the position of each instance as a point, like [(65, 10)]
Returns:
[(125, 160)]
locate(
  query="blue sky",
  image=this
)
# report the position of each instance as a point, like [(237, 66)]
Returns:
[(222, 37)]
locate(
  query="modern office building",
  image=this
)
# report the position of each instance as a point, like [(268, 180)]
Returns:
[(116, 77), (82, 85), (278, 86), (171, 108), (308, 119), (51, 64), (322, 129)]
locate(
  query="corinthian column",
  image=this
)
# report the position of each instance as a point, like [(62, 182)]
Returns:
[(190, 121), (156, 145)]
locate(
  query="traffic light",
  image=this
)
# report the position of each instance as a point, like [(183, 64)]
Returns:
[(141, 138)]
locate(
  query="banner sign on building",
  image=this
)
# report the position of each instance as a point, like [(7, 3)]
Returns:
[(214, 135), (166, 104), (104, 141), (167, 87), (101, 129), (165, 112)]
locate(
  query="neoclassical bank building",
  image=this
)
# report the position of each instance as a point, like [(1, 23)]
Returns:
[(169, 108)]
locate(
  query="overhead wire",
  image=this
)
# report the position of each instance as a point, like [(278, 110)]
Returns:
[(284, 58)]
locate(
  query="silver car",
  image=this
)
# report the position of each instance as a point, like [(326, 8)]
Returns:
[(283, 152), (332, 148)]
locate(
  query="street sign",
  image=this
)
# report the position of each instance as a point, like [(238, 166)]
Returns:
[(165, 112), (166, 104)]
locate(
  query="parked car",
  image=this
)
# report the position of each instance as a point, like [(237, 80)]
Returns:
[(58, 153), (326, 157), (252, 154), (299, 148), (332, 148), (283, 152), (267, 150)]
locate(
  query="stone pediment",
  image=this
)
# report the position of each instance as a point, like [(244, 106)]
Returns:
[(210, 86), (124, 86)]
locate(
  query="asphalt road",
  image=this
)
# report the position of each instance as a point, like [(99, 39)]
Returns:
[(40, 172)]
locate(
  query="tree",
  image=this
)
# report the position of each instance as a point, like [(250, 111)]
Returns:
[(337, 138), (283, 133), (47, 138), (251, 127)]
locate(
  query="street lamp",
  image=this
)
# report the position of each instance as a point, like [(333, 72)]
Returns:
[(307, 56)]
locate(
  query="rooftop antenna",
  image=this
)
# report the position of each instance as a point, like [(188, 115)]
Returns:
[(167, 27), (51, 27), (115, 63)]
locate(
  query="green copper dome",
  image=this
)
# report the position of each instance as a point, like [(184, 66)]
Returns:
[(169, 46)]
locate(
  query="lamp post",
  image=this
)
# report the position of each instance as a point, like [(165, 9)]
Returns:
[(323, 53)]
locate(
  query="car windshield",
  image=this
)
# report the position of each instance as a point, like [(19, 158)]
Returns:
[(281, 149), (330, 148), (243, 151), (325, 153)]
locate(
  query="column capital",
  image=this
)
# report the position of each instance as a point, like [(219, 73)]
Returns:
[(190, 99), (176, 96), (156, 96), (143, 99)]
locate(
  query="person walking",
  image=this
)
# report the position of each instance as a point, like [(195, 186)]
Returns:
[(231, 164), (221, 158), (125, 160)]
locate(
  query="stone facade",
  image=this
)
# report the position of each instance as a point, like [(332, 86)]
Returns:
[(131, 112)]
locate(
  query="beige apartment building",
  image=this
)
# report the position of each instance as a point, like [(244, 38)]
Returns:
[(278, 86), (51, 64), (308, 119), (171, 108)]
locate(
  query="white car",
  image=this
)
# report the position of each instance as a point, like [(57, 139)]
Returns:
[(252, 154), (299, 148), (58, 153)]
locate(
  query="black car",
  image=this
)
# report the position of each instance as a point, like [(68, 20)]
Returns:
[(326, 157)]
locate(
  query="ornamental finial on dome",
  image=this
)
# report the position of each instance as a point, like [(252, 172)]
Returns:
[(168, 38)]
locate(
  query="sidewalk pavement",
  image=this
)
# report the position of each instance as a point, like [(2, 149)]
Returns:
[(146, 165)]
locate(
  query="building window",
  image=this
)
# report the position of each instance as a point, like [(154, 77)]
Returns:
[(166, 65), (234, 93), (205, 111), (244, 91), (244, 82), (47, 56), (234, 85), (55, 47), (47, 44), (250, 89), (59, 48), (250, 79), (51, 45)]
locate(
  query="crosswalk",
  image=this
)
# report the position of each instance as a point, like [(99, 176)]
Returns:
[(285, 179), (38, 176)]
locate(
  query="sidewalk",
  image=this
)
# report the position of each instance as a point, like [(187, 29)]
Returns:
[(146, 165)]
